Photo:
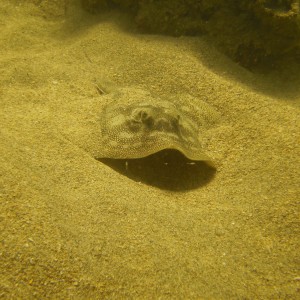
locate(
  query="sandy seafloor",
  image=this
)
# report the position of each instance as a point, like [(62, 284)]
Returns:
[(74, 228)]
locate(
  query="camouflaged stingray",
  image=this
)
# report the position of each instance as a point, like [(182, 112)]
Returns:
[(135, 125)]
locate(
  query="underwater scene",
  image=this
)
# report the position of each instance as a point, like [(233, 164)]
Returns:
[(149, 149)]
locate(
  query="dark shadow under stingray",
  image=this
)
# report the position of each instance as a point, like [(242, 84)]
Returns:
[(167, 169)]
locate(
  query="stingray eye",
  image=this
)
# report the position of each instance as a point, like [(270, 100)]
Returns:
[(144, 116), (137, 115), (147, 120), (140, 118)]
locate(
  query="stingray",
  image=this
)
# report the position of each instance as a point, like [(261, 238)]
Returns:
[(134, 124)]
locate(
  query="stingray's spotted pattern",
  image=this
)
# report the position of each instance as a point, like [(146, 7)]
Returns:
[(136, 125)]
